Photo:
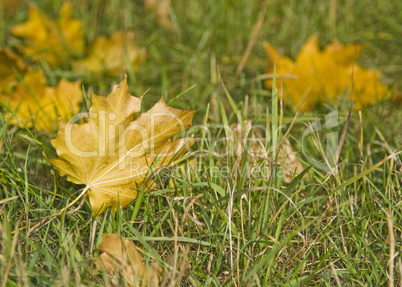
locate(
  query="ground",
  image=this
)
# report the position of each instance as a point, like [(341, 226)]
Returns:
[(226, 218)]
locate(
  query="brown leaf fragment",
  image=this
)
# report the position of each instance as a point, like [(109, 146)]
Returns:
[(10, 6), (120, 257), (161, 9)]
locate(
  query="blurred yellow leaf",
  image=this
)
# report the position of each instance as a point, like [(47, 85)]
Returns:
[(38, 105), (112, 154), (318, 76), (120, 257), (10, 63), (53, 41), (112, 55)]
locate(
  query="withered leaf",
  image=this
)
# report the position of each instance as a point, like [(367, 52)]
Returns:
[(253, 139), (112, 154), (120, 257)]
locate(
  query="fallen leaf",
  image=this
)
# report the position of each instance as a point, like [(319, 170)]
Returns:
[(10, 63), (242, 138), (112, 55), (53, 41), (255, 143), (161, 9), (292, 166), (39, 105), (112, 154), (120, 257), (319, 76)]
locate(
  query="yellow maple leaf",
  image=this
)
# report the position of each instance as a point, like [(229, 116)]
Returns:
[(318, 76), (53, 41), (10, 63), (112, 154), (120, 257), (39, 105), (112, 55)]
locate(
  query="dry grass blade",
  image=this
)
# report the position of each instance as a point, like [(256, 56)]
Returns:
[(253, 39), (391, 237), (12, 251), (343, 135)]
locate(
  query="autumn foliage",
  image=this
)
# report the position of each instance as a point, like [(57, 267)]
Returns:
[(321, 76), (58, 41), (51, 40), (39, 106), (112, 56)]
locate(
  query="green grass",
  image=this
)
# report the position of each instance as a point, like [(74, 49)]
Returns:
[(220, 221)]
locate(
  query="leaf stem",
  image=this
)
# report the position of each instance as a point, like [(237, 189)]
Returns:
[(54, 215)]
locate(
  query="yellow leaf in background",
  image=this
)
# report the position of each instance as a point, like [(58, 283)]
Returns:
[(53, 41), (112, 154), (367, 86), (284, 65), (320, 76), (319, 73), (38, 105), (112, 55), (120, 257), (343, 54), (10, 63), (293, 78)]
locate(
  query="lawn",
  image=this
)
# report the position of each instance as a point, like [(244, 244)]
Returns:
[(317, 203)]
